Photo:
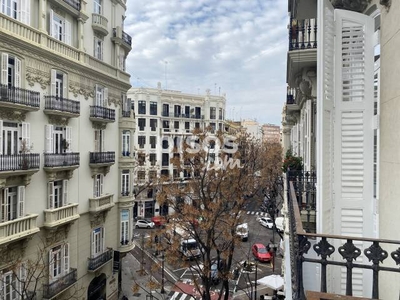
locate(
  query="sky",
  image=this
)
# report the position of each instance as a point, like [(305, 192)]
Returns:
[(232, 47)]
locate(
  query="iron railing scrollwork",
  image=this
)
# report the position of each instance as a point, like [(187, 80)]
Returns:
[(102, 157), (52, 289), (17, 95), (102, 113), (97, 262), (24, 161), (61, 159), (62, 104)]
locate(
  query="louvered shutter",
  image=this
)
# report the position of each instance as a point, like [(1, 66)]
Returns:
[(68, 138), (103, 239), (51, 265), (105, 97), (102, 136), (26, 11), (65, 86), (50, 194), (95, 187), (49, 138), (325, 92), (21, 201), (4, 206), (53, 82), (1, 285), (53, 26), (4, 68), (96, 49), (22, 277), (65, 192), (101, 184), (93, 242), (1, 137), (17, 72), (67, 32), (97, 140), (25, 134), (66, 258)]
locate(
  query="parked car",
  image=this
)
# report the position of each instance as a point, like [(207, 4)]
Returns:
[(144, 224), (261, 253), (242, 230), (159, 221), (266, 222)]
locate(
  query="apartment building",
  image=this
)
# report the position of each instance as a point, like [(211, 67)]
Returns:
[(63, 111), (253, 128), (271, 133), (163, 119), (339, 117)]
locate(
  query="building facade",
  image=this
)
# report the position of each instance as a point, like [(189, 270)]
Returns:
[(163, 119), (340, 66), (253, 128), (62, 99), (271, 133)]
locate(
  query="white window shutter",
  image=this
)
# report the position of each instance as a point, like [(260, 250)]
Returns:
[(53, 28), (1, 137), (97, 140), (105, 97), (26, 11), (23, 273), (96, 96), (17, 72), (68, 138), (49, 138), (93, 243), (53, 82), (95, 186), (67, 32), (4, 68), (26, 131), (21, 201), (96, 50), (101, 184), (50, 194), (4, 206), (51, 264), (65, 85), (103, 239), (66, 258), (102, 133), (65, 192)]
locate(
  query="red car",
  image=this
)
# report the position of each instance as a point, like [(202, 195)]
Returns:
[(159, 221), (261, 253)]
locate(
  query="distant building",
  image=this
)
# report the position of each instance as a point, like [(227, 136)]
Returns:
[(253, 128), (271, 133)]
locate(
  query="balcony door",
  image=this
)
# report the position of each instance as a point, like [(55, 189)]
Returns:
[(58, 146), (97, 241), (11, 203), (10, 138)]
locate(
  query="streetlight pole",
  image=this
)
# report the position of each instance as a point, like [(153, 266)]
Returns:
[(255, 283), (162, 273)]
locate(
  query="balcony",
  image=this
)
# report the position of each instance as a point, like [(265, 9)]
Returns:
[(61, 107), (102, 203), (18, 164), (61, 161), (61, 284), (19, 99), (76, 4), (100, 24), (60, 216), (18, 229), (102, 158), (102, 114), (97, 262), (122, 38), (342, 257), (291, 103), (126, 245)]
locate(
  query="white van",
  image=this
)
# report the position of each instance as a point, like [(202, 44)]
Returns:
[(242, 230), (279, 224)]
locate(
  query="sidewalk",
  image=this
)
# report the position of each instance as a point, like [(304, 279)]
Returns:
[(131, 276)]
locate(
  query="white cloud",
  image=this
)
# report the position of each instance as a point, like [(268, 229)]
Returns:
[(237, 47)]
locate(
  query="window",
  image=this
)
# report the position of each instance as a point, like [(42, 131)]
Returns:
[(212, 125), (187, 111), (141, 141), (59, 261), (12, 203), (126, 141), (97, 6), (197, 112), (177, 111), (98, 48), (153, 124), (58, 84), (153, 108), (153, 141), (213, 113), (176, 124), (19, 10), (142, 107), (187, 125), (57, 193), (125, 179), (175, 174), (97, 239), (101, 96), (12, 282), (150, 193), (165, 159), (58, 139), (152, 158), (141, 124), (165, 144), (165, 173), (165, 111), (124, 227), (166, 125), (60, 29), (99, 140), (13, 138), (141, 159), (197, 125), (221, 114), (10, 70), (141, 176), (152, 175), (122, 60), (98, 185)]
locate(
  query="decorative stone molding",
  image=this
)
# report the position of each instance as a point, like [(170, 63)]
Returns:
[(78, 88), (39, 76), (57, 234), (59, 175), (114, 98), (98, 125), (354, 5), (12, 115), (98, 219), (10, 253), (58, 10), (15, 180), (58, 120), (100, 170)]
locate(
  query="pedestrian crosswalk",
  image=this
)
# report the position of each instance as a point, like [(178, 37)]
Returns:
[(179, 296), (257, 213)]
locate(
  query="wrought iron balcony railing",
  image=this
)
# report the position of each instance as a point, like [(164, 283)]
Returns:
[(119, 33), (102, 113), (302, 34), (62, 104), (74, 3), (12, 94), (98, 261), (102, 157), (61, 159), (62, 283), (334, 251), (126, 38), (18, 162), (126, 113)]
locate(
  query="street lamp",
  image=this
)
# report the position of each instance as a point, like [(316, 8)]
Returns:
[(162, 273), (255, 282)]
